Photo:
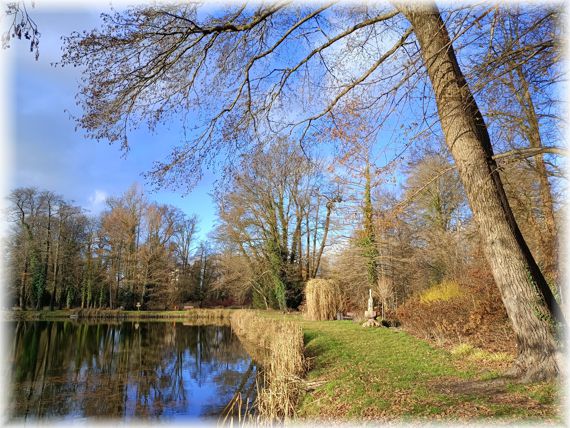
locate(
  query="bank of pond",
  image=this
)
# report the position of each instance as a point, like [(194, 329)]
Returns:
[(228, 366)]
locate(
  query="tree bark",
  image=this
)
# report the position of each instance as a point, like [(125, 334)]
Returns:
[(535, 140), (317, 261), (308, 243), (524, 292), (23, 284), (46, 262), (370, 245)]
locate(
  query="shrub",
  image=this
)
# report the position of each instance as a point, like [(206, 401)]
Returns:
[(444, 291), (472, 314)]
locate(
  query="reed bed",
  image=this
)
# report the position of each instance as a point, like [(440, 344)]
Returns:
[(281, 384), (322, 299), (206, 315)]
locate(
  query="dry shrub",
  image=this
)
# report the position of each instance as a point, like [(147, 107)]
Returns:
[(283, 362), (322, 298), (475, 315), (444, 291)]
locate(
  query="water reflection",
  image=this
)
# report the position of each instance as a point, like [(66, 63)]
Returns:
[(126, 370)]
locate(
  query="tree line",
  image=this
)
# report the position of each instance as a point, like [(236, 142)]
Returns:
[(135, 251)]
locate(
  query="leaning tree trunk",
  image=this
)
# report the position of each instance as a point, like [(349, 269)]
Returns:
[(516, 274)]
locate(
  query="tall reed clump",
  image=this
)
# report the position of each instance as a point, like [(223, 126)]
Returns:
[(283, 365), (322, 297)]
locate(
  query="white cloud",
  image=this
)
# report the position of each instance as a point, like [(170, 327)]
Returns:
[(97, 201)]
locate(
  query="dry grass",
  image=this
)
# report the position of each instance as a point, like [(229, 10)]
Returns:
[(443, 291), (283, 365), (322, 299), (465, 350), (115, 314)]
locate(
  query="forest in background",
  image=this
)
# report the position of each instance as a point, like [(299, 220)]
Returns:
[(282, 220)]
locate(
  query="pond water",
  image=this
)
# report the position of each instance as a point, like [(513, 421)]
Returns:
[(128, 370)]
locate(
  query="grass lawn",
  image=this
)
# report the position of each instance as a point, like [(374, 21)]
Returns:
[(361, 373)]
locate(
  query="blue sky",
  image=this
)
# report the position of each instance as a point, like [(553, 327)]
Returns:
[(50, 154)]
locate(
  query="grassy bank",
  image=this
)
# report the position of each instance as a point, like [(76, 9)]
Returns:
[(357, 374), (383, 374)]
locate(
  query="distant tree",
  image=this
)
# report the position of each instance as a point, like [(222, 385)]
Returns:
[(271, 213), (157, 257), (31, 209), (435, 207), (66, 216)]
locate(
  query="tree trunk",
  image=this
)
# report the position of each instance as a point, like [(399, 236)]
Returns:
[(23, 284), (308, 249), (549, 243), (317, 261), (46, 262), (370, 245), (515, 272), (55, 265)]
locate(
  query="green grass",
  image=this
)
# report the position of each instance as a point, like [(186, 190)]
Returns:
[(379, 373)]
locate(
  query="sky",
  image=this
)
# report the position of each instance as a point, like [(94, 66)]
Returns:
[(44, 148), (47, 151)]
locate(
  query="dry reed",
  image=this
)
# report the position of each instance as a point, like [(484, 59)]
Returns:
[(202, 314), (322, 299), (283, 363)]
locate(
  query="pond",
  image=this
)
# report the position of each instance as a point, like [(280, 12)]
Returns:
[(165, 371)]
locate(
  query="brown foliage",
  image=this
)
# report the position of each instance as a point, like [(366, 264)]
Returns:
[(477, 316)]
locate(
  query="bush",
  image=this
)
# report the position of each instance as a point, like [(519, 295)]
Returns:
[(444, 291), (468, 312)]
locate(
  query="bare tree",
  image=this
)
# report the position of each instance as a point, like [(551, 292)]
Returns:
[(21, 25), (272, 214), (522, 60)]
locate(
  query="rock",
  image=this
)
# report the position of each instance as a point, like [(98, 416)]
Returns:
[(371, 323)]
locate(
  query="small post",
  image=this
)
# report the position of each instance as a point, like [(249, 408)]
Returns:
[(138, 306)]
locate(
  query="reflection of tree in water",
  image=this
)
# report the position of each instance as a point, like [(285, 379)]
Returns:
[(124, 370)]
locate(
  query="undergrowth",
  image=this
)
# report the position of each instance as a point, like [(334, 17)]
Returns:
[(444, 291), (453, 313)]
